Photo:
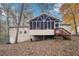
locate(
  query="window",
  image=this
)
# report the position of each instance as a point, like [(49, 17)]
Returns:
[(25, 32), (57, 25), (52, 25), (34, 25), (45, 25), (41, 25), (48, 25), (20, 32), (38, 25)]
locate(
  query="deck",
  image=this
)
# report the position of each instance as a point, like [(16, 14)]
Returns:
[(41, 32)]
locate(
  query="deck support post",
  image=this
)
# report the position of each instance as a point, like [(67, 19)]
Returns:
[(43, 38)]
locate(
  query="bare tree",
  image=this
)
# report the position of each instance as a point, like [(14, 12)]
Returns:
[(8, 21), (19, 22), (45, 7), (0, 21), (27, 14), (5, 13), (13, 16)]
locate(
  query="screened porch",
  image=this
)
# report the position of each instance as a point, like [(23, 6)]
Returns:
[(41, 25)]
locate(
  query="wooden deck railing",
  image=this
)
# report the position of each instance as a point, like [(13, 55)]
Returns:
[(62, 31)]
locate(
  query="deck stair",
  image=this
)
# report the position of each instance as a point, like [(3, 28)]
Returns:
[(64, 33)]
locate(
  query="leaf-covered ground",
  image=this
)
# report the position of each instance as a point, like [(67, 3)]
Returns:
[(43, 48)]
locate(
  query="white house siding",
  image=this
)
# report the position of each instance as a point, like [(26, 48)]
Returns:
[(41, 32), (21, 36), (12, 34)]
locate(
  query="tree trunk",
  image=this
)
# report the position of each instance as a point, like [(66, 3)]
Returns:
[(74, 21), (19, 22), (0, 23), (8, 24)]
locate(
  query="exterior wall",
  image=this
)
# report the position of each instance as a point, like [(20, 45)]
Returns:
[(22, 36), (41, 32), (12, 33)]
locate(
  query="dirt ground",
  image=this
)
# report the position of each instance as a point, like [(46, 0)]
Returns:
[(56, 47)]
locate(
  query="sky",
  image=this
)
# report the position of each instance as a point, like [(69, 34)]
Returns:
[(55, 12), (37, 11)]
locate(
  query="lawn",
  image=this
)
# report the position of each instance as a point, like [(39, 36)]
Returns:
[(3, 37), (56, 47)]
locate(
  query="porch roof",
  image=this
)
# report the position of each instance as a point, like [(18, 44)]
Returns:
[(45, 17)]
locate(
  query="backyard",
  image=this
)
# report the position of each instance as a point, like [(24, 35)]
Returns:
[(56, 47)]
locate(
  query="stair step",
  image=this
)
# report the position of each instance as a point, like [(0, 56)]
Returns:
[(67, 37)]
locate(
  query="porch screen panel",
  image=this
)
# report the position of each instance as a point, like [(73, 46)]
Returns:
[(33, 25), (48, 25), (45, 25), (38, 25), (41, 25), (52, 25)]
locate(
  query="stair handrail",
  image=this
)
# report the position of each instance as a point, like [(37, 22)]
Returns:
[(66, 30)]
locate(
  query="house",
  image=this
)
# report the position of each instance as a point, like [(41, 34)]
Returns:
[(43, 26), (39, 28)]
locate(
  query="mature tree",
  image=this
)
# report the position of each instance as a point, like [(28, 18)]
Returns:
[(12, 13), (71, 14), (22, 6), (7, 7), (27, 14), (5, 14), (0, 21)]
